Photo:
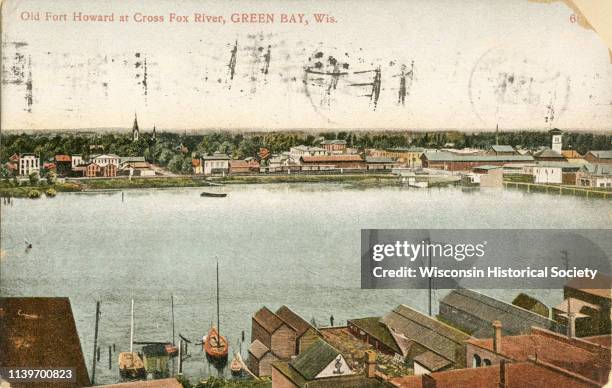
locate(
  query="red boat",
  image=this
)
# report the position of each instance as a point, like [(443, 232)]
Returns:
[(215, 344)]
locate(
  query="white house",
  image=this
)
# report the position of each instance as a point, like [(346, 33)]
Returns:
[(295, 153), (216, 163), (595, 175), (77, 160), (28, 163), (547, 174), (106, 159)]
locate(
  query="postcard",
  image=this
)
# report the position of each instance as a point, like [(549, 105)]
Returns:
[(284, 194)]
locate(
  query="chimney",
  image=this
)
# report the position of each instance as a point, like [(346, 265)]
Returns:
[(370, 363), (428, 381), (497, 336), (571, 330), (503, 374)]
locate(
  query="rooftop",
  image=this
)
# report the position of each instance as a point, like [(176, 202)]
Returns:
[(314, 359), (267, 319), (443, 156), (548, 153), (370, 159), (376, 329), (215, 156), (600, 286), (258, 349), (334, 142), (502, 148), (607, 154), (331, 158), (293, 320), (161, 383), (40, 332), (426, 331)]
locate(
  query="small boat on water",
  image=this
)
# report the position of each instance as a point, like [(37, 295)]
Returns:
[(215, 345), (130, 364), (215, 195), (236, 366)]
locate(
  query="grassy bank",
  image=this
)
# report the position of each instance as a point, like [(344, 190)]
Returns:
[(37, 191), (142, 183), (217, 382)]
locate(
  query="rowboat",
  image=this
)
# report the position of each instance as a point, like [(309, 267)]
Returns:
[(216, 195), (235, 366)]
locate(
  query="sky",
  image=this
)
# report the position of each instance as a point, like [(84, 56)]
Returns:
[(418, 64)]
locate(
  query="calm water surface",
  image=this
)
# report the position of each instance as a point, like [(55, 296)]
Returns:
[(293, 244)]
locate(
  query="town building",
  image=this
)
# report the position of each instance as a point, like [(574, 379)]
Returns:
[(302, 150), (137, 168), (588, 302), (40, 333), (555, 173), (410, 156), (260, 359), (63, 164), (380, 163), (28, 163), (243, 166), (571, 155), (556, 140), (106, 159), (586, 359), (599, 157), (505, 375), (305, 333), (77, 160), (372, 331), (549, 155), (92, 170), (110, 170), (215, 164), (594, 175), (501, 150), (473, 313), (196, 165), (425, 343), (322, 366), (274, 333), (444, 160), (332, 162), (334, 146)]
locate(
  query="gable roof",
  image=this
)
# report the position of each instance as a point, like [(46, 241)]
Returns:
[(502, 148), (258, 349), (293, 320), (374, 159), (267, 319), (314, 359), (444, 156), (548, 153), (426, 331), (597, 169), (607, 154), (334, 142), (376, 329), (432, 361), (331, 158), (215, 156), (63, 158), (516, 320)]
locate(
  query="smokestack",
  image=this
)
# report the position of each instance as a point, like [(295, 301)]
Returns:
[(428, 381), (571, 330), (497, 336), (370, 363), (503, 380)]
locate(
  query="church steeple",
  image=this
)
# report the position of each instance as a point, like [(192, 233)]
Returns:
[(135, 131), (154, 133)]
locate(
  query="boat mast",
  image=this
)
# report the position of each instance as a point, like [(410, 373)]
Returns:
[(132, 328), (218, 320)]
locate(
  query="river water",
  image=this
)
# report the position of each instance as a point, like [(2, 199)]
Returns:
[(293, 244)]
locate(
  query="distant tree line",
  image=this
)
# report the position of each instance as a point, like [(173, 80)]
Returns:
[(175, 150)]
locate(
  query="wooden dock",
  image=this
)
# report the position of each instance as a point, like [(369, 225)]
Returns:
[(587, 192)]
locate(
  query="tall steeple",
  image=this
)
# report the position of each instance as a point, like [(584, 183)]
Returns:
[(154, 133), (135, 131)]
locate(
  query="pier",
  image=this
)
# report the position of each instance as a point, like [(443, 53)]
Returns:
[(587, 192)]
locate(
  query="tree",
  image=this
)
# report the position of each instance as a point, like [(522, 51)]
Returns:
[(34, 178), (51, 178)]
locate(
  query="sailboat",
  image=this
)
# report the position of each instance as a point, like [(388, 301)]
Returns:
[(215, 345), (130, 363)]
